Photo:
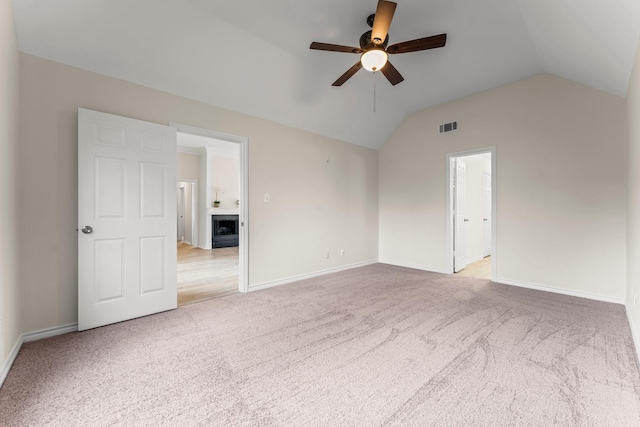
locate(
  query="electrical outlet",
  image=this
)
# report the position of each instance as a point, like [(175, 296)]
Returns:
[(267, 198), (341, 252), (328, 254)]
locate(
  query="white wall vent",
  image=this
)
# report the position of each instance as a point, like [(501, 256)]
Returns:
[(449, 127)]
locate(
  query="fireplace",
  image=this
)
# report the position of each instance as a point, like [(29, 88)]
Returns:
[(224, 231)]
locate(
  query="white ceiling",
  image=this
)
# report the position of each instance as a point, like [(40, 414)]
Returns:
[(253, 56)]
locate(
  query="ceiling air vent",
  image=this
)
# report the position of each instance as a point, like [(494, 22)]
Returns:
[(448, 127)]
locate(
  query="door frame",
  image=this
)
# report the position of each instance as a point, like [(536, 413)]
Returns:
[(194, 209), (243, 285), (459, 230), (484, 203), (494, 216), (180, 200)]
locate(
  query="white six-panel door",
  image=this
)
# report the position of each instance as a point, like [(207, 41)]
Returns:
[(460, 237), (126, 218), (486, 209)]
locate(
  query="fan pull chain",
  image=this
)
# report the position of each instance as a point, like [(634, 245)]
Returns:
[(374, 91)]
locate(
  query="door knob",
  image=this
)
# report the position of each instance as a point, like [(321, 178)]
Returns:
[(486, 219), (87, 229), (466, 220)]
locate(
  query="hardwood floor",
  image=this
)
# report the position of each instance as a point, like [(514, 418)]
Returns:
[(205, 274), (479, 269)]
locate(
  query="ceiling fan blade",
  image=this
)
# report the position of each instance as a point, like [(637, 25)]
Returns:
[(334, 48), (424, 43), (346, 76), (392, 74), (382, 21)]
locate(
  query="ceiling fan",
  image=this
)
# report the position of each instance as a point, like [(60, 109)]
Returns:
[(373, 46)]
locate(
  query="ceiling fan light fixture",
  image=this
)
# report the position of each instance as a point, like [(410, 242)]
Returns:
[(374, 59)]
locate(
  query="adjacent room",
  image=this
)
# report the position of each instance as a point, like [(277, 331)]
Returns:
[(208, 212), (288, 213)]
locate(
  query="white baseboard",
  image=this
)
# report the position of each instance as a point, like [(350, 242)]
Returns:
[(634, 333), (49, 332), (33, 336), (9, 362), (292, 279), (415, 266), (554, 290)]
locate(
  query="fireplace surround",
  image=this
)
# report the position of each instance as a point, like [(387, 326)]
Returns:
[(224, 231)]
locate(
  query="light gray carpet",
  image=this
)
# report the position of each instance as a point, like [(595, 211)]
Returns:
[(373, 346)]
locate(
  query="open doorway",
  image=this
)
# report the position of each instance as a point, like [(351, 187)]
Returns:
[(187, 199), (471, 215), (211, 254)]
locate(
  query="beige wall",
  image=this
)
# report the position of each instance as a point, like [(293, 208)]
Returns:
[(225, 177), (10, 320), (316, 206), (561, 179), (188, 166), (633, 201)]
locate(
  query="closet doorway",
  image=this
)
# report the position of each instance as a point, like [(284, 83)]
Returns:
[(471, 213)]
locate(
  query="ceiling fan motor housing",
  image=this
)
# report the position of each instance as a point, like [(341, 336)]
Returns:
[(366, 43)]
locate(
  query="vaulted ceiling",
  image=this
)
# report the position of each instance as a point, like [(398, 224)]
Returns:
[(253, 56)]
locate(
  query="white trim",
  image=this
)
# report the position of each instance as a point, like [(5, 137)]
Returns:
[(29, 337), (12, 357), (194, 210), (562, 291), (208, 133), (634, 333), (300, 277), (244, 216), (190, 150), (212, 149), (494, 207), (49, 332), (415, 266), (243, 285)]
